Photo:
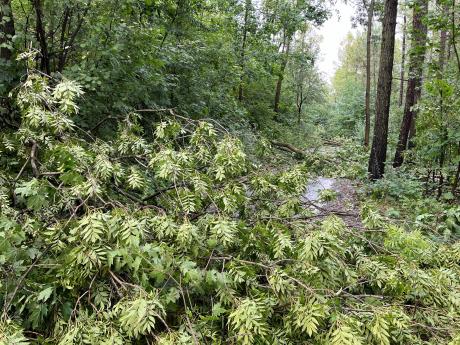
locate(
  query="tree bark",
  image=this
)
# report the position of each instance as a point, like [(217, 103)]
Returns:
[(453, 38), (457, 174), (40, 33), (62, 41), (70, 43), (7, 31), (367, 125), (243, 48), (279, 83), (382, 106), (6, 28), (288, 148), (299, 103), (417, 58), (403, 61), (442, 43)]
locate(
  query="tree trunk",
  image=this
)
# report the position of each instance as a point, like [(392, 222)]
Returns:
[(453, 38), (457, 174), (413, 128), (403, 61), (374, 69), (7, 31), (442, 43), (417, 58), (382, 105), (279, 84), (442, 156), (62, 41), (299, 103), (370, 16), (6, 28), (40, 33), (243, 48)]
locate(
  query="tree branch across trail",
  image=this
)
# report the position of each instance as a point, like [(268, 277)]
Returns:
[(288, 147)]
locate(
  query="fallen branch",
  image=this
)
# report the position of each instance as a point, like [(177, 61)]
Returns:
[(104, 120), (331, 143), (288, 147)]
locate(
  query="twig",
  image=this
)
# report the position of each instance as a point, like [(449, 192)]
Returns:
[(154, 195), (103, 120), (22, 170)]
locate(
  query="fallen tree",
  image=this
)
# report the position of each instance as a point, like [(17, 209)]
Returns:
[(156, 240)]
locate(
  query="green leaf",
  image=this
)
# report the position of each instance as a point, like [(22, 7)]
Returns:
[(45, 294)]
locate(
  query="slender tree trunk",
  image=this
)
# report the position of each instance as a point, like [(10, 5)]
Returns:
[(279, 83), (442, 156), (62, 41), (382, 107), (299, 103), (403, 61), (374, 69), (6, 28), (457, 174), (367, 125), (456, 178), (40, 33), (413, 128), (7, 31), (243, 48), (442, 42), (417, 58), (454, 36), (71, 41)]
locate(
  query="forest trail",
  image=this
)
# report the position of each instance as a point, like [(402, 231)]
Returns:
[(344, 201)]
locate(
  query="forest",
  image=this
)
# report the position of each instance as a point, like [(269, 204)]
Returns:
[(183, 172)]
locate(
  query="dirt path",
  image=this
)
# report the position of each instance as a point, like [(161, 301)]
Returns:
[(345, 205)]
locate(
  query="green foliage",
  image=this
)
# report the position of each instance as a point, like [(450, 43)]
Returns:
[(175, 238), (248, 321), (328, 195), (191, 56), (11, 334), (399, 185), (348, 90)]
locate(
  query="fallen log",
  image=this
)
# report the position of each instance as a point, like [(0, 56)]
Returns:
[(331, 143), (288, 147), (299, 154)]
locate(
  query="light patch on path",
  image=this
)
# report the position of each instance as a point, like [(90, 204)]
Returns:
[(345, 205), (314, 189)]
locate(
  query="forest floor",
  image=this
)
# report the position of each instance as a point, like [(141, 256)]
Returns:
[(344, 203)]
